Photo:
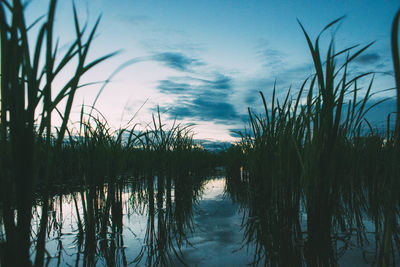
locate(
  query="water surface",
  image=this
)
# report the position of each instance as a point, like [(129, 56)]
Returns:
[(186, 221)]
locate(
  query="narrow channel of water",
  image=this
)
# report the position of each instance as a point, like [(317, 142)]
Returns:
[(205, 233)]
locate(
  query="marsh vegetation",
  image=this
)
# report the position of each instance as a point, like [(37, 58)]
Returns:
[(313, 178), (314, 172)]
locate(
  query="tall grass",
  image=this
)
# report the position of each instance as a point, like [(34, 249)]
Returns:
[(26, 86), (35, 153), (313, 154), (311, 175)]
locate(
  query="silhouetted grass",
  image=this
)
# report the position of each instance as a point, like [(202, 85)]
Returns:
[(26, 87), (308, 172), (317, 155), (36, 156)]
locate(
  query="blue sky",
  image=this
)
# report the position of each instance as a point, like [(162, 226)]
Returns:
[(204, 62)]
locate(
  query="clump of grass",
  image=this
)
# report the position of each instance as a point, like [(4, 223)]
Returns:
[(315, 157), (27, 86), (150, 162)]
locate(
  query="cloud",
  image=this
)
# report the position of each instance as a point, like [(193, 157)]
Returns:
[(270, 57), (214, 109), (369, 58), (200, 99), (133, 20), (251, 96), (172, 87), (177, 61), (221, 82), (220, 86), (204, 111), (286, 78)]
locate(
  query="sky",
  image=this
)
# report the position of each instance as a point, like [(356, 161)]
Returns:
[(204, 62)]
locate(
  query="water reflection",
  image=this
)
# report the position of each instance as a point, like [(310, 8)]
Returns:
[(271, 219), (188, 220), (169, 218), (281, 227), (142, 221)]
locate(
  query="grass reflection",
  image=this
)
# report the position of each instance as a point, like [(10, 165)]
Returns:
[(92, 223)]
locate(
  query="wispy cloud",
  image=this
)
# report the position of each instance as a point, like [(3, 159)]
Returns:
[(369, 58), (269, 56), (223, 99), (202, 110), (177, 61), (133, 20), (200, 99), (173, 87), (286, 78)]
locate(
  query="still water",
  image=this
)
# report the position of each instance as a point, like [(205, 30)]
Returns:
[(212, 232), (162, 222)]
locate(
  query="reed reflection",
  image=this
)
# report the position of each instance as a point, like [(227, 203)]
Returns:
[(92, 223), (171, 201)]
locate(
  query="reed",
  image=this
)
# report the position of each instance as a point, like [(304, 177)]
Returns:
[(307, 172), (96, 162), (27, 86), (313, 154)]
